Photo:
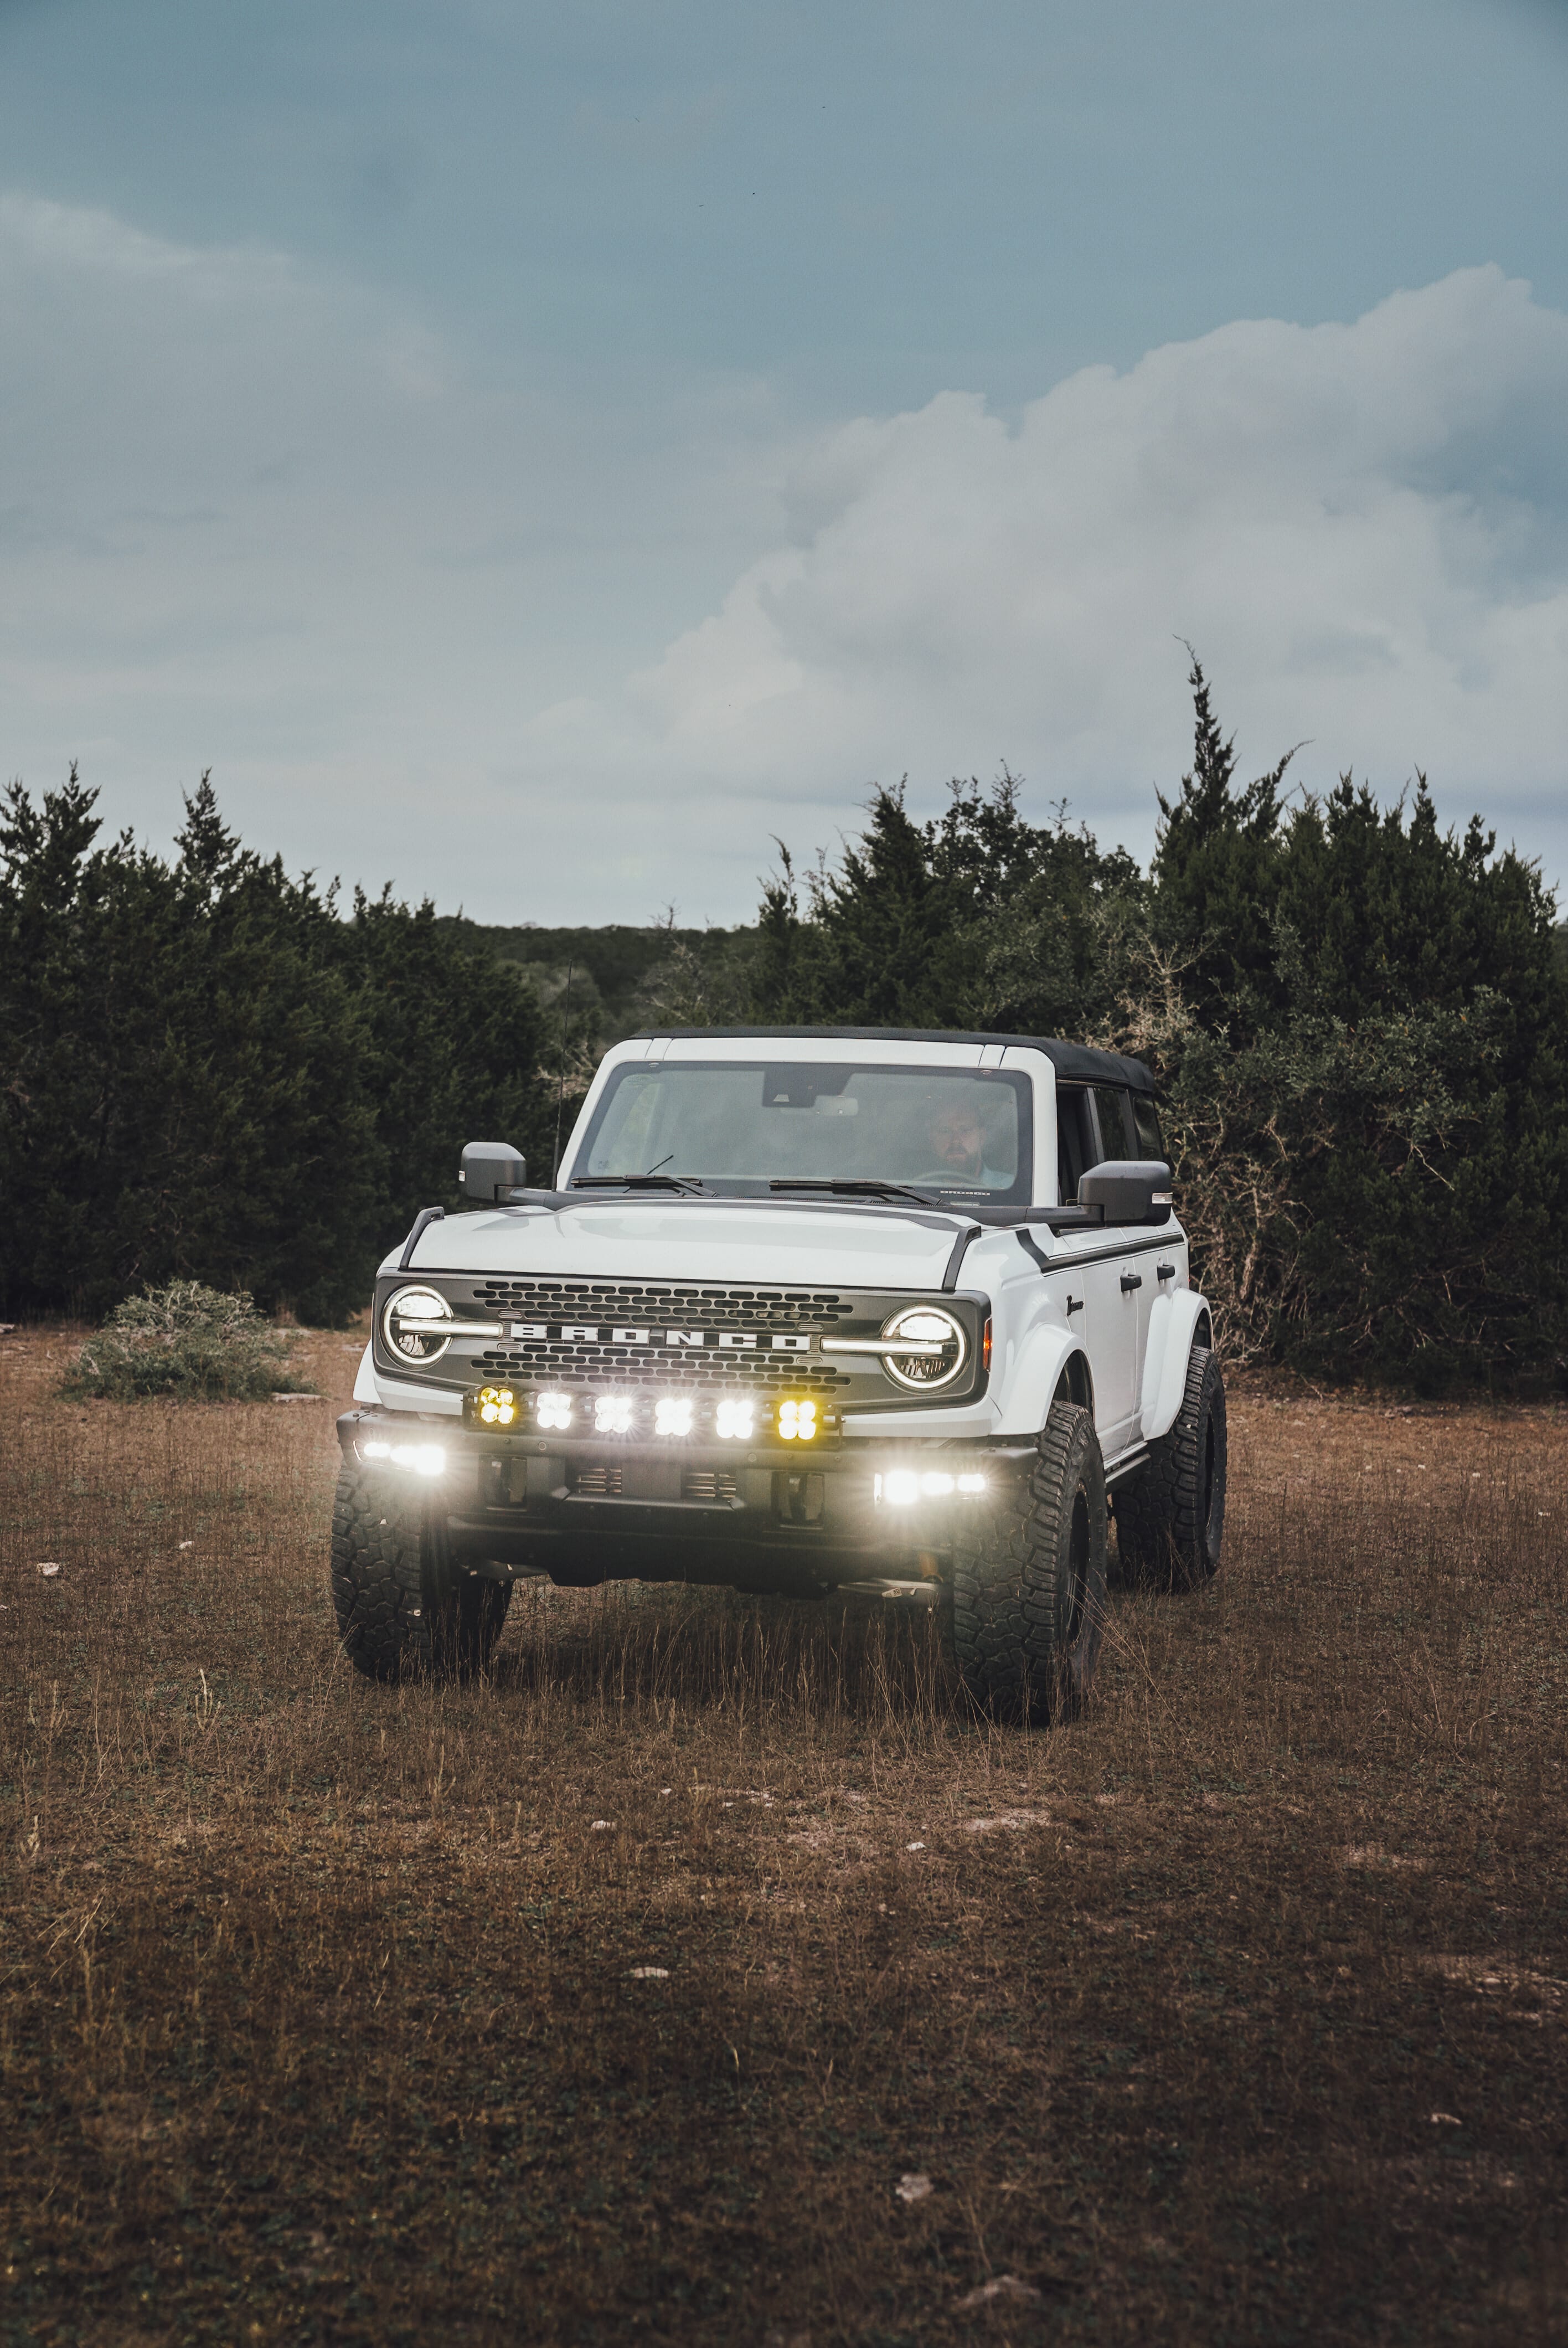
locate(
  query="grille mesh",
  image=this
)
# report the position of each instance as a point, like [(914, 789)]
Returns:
[(658, 1305), (569, 1365), (664, 1304)]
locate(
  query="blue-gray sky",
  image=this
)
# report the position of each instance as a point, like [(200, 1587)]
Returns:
[(537, 455)]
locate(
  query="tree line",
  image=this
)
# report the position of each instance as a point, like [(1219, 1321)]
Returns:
[(209, 1069)]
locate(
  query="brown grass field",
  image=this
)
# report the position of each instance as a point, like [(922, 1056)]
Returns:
[(1236, 2012)]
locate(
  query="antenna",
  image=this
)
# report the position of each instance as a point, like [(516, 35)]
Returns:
[(560, 1083)]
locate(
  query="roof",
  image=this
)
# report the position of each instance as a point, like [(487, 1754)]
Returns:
[(1082, 1062)]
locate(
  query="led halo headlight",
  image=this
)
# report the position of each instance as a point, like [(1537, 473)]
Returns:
[(925, 1324), (416, 1344)]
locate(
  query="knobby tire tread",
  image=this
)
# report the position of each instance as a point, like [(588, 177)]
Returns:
[(1162, 1525), (401, 1611)]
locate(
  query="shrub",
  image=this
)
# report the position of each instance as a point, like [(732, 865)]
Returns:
[(187, 1340)]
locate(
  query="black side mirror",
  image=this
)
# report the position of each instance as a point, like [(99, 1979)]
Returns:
[(491, 1172), (1128, 1190)]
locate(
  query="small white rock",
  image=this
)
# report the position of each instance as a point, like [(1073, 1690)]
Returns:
[(913, 2187), (1001, 2287), (601, 1826), (48, 1572), (650, 1972), (914, 1846)]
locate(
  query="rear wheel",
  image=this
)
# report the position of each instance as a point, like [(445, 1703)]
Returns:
[(1171, 1517), (1027, 1608), (403, 1609)]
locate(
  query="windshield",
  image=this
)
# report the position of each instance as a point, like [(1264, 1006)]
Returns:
[(741, 1124)]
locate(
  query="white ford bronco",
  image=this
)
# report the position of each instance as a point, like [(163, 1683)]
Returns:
[(807, 1310)]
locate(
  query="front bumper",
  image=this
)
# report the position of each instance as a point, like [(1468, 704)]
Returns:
[(588, 1509)]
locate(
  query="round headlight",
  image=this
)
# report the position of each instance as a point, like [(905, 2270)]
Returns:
[(405, 1323), (932, 1348)]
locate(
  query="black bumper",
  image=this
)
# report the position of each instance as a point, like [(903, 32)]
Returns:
[(587, 1511)]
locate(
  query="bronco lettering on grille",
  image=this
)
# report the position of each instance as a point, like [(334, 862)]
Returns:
[(573, 1333)]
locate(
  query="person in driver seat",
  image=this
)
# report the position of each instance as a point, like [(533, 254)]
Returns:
[(957, 1138)]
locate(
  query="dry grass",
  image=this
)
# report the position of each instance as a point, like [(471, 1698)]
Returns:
[(1235, 2014)]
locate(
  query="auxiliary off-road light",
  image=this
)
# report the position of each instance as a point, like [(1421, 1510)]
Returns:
[(421, 1459), (798, 1421), (493, 1406), (901, 1487), (673, 1415), (733, 1421), (553, 1410), (612, 1415)]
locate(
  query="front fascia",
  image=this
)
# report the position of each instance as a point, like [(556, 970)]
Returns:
[(705, 1340)]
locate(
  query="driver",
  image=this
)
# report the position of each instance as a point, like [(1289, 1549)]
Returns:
[(957, 1141)]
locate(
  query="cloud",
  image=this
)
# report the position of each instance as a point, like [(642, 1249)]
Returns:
[(411, 606), (1363, 528)]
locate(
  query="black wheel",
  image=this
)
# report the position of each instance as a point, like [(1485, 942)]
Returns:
[(1170, 1516), (1027, 1607), (402, 1608)]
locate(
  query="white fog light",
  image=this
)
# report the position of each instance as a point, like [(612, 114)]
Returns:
[(424, 1458), (971, 1483), (898, 1489), (936, 1485), (732, 1422), (376, 1450), (553, 1410), (672, 1414), (612, 1415)]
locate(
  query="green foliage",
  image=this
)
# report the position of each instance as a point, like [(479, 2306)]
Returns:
[(206, 1073), (901, 934), (1356, 1018), (192, 1343)]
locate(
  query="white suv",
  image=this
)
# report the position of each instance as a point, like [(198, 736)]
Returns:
[(807, 1310)]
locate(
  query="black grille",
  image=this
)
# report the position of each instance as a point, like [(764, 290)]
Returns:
[(665, 1303), (558, 1364), (599, 1482)]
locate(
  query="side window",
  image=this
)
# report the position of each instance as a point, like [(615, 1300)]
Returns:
[(1116, 1138), (1146, 1118), (1075, 1148)]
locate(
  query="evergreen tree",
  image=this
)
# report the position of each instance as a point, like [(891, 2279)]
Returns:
[(205, 1072)]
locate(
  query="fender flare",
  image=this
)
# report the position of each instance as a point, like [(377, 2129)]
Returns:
[(1046, 1356), (1175, 1324)]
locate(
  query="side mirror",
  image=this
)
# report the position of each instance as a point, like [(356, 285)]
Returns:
[(491, 1172), (1128, 1190)]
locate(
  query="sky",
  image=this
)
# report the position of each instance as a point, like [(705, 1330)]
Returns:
[(539, 457)]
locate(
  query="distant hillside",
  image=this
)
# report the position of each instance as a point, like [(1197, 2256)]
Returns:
[(624, 976)]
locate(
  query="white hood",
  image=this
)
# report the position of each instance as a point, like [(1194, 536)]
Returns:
[(795, 1247)]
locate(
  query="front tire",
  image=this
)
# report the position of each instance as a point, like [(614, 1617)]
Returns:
[(1171, 1517), (1027, 1611), (403, 1609)]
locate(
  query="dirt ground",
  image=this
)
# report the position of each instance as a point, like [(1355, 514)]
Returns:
[(711, 1974)]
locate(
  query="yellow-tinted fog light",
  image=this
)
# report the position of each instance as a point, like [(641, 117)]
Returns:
[(495, 1406), (797, 1422)]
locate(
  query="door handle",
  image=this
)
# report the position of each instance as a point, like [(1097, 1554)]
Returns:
[(1165, 1271), (1075, 1305), (1130, 1281)]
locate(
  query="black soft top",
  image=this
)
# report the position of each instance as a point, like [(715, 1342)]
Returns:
[(1083, 1061)]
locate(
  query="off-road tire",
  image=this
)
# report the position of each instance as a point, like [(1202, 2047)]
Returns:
[(1170, 1516), (403, 1609), (1027, 1606)]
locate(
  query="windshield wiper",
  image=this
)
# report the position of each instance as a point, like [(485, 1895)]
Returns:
[(687, 1182), (856, 1188)]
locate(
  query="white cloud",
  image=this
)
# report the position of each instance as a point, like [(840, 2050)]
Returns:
[(255, 517), (1362, 528)]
